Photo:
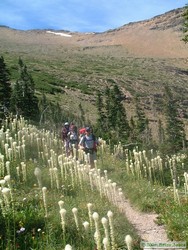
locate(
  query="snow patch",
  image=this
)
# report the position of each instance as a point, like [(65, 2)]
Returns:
[(59, 33)]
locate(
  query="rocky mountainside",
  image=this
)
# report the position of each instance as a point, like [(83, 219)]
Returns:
[(157, 37), (140, 57)]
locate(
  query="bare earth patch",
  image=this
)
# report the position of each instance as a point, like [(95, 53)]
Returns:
[(144, 223)]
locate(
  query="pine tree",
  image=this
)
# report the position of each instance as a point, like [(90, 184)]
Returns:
[(161, 132), (108, 106), (185, 28), (101, 121), (175, 132), (141, 118), (133, 130), (24, 102), (142, 123), (119, 113), (82, 114), (5, 88), (116, 119)]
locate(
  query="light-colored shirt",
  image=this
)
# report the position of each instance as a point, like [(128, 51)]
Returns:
[(87, 141)]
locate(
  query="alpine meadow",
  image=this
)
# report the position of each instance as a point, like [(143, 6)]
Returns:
[(128, 86)]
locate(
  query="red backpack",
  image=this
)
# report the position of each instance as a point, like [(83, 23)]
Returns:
[(82, 131)]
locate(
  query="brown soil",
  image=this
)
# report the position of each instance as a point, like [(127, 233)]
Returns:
[(144, 223)]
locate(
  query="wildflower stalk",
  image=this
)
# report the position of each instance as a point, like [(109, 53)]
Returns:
[(110, 217), (75, 213), (97, 232), (55, 170), (38, 175), (62, 214), (106, 240), (6, 191), (7, 179), (89, 206), (44, 189)]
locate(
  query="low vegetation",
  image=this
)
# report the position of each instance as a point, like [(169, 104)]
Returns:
[(138, 106), (49, 200)]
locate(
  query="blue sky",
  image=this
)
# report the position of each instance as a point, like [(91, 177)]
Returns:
[(81, 15)]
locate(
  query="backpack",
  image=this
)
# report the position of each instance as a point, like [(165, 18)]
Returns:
[(73, 136), (93, 139), (82, 131)]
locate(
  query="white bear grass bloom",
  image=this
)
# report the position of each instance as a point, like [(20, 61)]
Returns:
[(104, 222), (97, 232), (129, 242), (38, 175), (75, 213), (68, 247), (110, 217), (6, 191), (62, 214), (61, 204), (86, 225)]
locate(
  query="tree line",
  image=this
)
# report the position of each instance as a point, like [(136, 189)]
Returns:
[(18, 97), (112, 124)]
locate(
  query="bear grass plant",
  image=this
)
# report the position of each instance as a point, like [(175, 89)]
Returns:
[(44, 203), (45, 196), (151, 195), (27, 227)]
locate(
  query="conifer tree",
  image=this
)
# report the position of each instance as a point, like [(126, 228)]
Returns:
[(185, 28), (141, 118), (24, 102), (82, 114), (101, 121), (5, 88), (116, 119), (133, 130), (119, 113), (141, 123), (108, 106), (161, 132), (175, 132)]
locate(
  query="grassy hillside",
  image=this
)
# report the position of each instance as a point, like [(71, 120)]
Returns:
[(71, 70)]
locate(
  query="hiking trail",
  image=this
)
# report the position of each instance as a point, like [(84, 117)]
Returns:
[(143, 222)]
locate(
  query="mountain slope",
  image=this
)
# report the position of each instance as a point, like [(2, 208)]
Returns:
[(140, 57), (158, 37)]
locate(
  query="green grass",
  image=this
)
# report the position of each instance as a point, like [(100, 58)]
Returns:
[(28, 212), (152, 197), (27, 223), (86, 71)]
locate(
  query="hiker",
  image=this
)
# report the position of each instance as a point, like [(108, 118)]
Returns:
[(65, 138), (73, 139), (88, 144)]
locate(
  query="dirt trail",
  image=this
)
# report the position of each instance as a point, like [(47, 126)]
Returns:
[(143, 222)]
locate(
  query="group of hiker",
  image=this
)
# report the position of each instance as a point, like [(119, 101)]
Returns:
[(83, 138)]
